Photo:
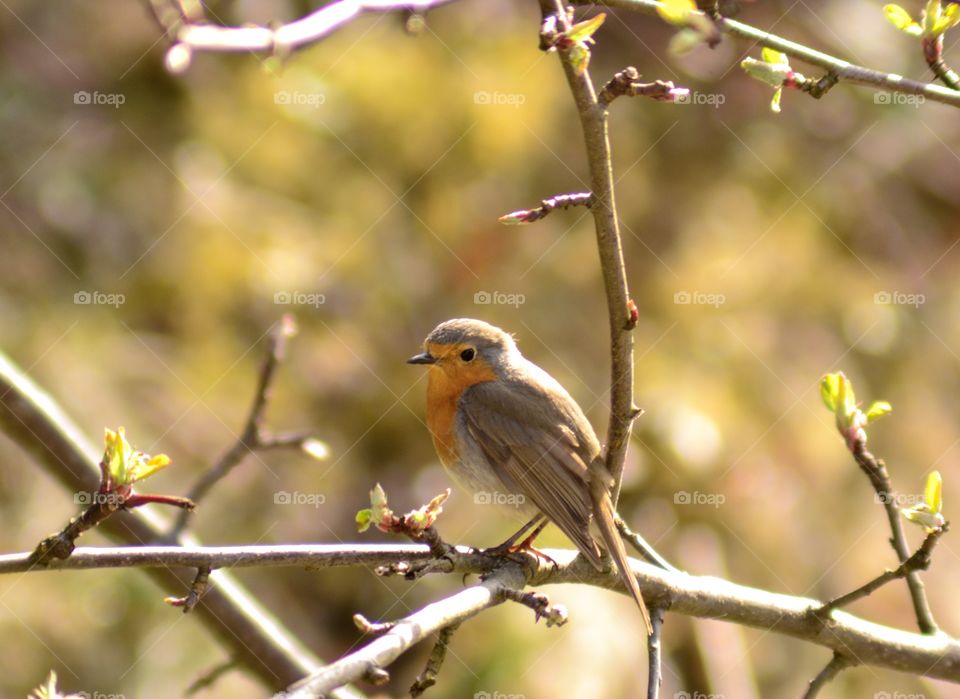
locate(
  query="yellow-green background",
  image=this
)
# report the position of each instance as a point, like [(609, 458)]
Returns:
[(201, 197)]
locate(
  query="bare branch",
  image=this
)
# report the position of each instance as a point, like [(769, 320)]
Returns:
[(655, 653), (837, 664), (561, 201), (627, 83), (426, 679), (593, 124), (253, 437), (410, 630), (920, 560), (876, 471)]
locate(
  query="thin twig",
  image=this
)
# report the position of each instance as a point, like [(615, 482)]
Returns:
[(837, 664), (197, 588), (844, 70), (593, 124), (655, 653), (555, 614), (252, 438), (627, 83), (561, 201), (876, 472), (641, 546), (920, 560), (428, 677), (210, 677)]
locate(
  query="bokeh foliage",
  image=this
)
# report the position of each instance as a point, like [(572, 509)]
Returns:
[(377, 187)]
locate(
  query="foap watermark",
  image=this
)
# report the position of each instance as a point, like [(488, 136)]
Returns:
[(713, 99), (498, 298), (97, 98), (898, 98), (696, 695), (283, 497), (98, 298), (485, 497), (682, 497), (495, 694), (902, 500), (498, 99), (699, 298), (898, 298), (87, 499), (299, 298), (95, 694), (298, 98), (899, 695)]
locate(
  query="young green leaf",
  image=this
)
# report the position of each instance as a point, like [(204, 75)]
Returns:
[(830, 390), (878, 409), (927, 514), (123, 465), (676, 11), (364, 519), (901, 19), (774, 57), (580, 57), (933, 492), (583, 31)]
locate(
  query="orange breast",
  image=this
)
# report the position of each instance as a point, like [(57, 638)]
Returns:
[(445, 385)]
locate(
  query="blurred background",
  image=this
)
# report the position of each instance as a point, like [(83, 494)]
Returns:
[(155, 227)]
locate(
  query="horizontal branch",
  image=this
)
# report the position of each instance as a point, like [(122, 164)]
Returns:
[(846, 71), (287, 37), (935, 656)]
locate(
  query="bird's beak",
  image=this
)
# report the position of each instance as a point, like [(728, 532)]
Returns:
[(422, 358)]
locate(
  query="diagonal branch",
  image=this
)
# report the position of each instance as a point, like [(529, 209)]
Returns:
[(253, 437), (373, 657), (593, 124), (844, 70), (259, 642), (920, 560)]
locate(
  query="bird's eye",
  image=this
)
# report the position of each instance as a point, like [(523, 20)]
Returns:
[(468, 354)]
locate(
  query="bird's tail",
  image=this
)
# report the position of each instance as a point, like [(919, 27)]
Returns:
[(603, 514)]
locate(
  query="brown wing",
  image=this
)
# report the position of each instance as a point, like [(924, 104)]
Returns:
[(523, 431)]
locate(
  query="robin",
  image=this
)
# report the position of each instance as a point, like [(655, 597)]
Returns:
[(503, 426)]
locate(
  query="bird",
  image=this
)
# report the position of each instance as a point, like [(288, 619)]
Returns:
[(507, 431)]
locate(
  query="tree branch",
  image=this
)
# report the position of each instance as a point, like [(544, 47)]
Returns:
[(593, 124), (876, 472), (837, 664), (253, 437), (844, 70), (426, 679), (379, 653), (258, 641), (655, 653), (935, 656), (287, 37)]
